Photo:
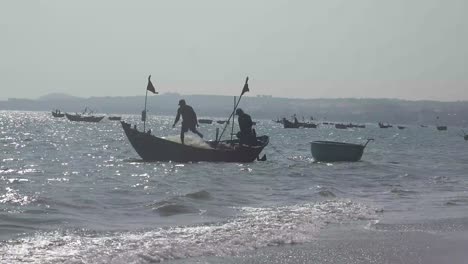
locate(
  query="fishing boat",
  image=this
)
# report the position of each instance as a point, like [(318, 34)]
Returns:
[(152, 148), (401, 127), (382, 125), (330, 151), (278, 121), (350, 125), (308, 125), (439, 126), (289, 124), (222, 122), (115, 118), (84, 118), (205, 121), (57, 113)]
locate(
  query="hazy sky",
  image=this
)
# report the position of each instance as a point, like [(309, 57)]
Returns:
[(410, 49)]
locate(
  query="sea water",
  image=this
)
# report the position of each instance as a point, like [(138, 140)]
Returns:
[(78, 192)]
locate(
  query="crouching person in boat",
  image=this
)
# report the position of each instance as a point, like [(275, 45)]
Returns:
[(246, 135), (189, 120)]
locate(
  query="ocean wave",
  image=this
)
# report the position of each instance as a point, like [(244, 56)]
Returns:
[(326, 193), (402, 192), (9, 171), (457, 201), (12, 196), (169, 209), (254, 228), (201, 195), (180, 204)]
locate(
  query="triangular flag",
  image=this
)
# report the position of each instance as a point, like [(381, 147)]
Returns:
[(150, 86), (246, 86)]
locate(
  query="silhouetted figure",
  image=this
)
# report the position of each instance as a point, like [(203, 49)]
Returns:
[(295, 120), (246, 134), (189, 120)]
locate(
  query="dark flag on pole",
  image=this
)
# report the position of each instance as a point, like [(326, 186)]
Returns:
[(246, 86), (150, 86)]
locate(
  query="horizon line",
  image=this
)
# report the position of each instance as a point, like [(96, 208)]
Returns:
[(253, 96)]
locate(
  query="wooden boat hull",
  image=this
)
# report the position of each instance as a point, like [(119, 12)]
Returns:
[(80, 118), (57, 114), (330, 151), (308, 125), (385, 126), (355, 126), (289, 124), (152, 148)]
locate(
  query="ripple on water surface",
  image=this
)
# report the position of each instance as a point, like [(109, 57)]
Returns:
[(253, 228)]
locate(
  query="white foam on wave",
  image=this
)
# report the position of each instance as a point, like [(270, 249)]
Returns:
[(190, 140), (254, 228), (12, 196)]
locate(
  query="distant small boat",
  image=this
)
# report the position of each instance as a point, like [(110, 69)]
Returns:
[(341, 126), (382, 125), (289, 124), (57, 113), (278, 121), (308, 125), (330, 151), (205, 121), (356, 126), (465, 137), (222, 121), (401, 127), (84, 118), (115, 118), (441, 128)]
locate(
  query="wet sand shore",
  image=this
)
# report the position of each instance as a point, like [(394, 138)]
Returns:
[(443, 241)]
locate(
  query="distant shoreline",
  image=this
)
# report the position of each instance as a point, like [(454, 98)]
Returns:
[(394, 111)]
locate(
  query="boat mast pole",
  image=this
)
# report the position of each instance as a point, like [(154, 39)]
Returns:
[(233, 120), (144, 112), (245, 89), (227, 123)]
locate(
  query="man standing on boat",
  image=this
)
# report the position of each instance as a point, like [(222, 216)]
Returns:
[(246, 134), (189, 120)]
